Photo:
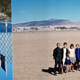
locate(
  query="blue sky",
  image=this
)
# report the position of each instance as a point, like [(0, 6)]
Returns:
[(37, 10)]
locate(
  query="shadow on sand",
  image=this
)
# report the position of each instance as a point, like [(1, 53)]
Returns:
[(50, 70)]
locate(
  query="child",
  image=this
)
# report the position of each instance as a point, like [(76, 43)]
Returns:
[(77, 51), (72, 56), (68, 64)]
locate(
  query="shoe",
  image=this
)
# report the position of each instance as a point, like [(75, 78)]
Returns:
[(55, 74), (66, 72), (60, 72), (77, 69), (73, 71)]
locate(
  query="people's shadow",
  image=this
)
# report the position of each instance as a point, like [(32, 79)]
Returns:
[(50, 70)]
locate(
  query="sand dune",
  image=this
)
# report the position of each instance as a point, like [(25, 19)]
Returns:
[(33, 52)]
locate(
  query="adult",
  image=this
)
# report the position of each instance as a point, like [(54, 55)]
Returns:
[(77, 51), (57, 56), (65, 53), (72, 56)]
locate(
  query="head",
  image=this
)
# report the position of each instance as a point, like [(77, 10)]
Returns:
[(71, 46), (65, 44), (68, 57), (58, 45), (77, 45)]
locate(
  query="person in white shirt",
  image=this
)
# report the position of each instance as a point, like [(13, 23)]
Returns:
[(72, 56), (65, 53)]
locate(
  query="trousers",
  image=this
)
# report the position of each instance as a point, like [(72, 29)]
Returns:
[(57, 62)]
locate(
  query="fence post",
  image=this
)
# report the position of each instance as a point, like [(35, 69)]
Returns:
[(6, 45)]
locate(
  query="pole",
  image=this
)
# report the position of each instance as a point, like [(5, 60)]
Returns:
[(6, 45)]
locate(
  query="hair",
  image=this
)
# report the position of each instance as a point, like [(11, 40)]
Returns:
[(67, 56), (57, 43), (65, 43), (71, 45), (77, 44)]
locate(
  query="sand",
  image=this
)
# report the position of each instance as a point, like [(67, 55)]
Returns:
[(32, 53)]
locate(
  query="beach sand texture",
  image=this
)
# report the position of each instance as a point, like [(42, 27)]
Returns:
[(33, 52)]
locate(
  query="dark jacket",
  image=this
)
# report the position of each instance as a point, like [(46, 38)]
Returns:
[(67, 52), (55, 53), (67, 62)]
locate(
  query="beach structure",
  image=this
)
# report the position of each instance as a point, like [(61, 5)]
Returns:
[(21, 29), (44, 28)]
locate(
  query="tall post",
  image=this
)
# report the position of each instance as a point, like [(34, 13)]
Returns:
[(6, 45)]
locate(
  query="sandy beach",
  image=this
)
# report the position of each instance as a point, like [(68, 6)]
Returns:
[(33, 54)]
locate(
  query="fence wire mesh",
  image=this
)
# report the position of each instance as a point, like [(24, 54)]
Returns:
[(6, 40)]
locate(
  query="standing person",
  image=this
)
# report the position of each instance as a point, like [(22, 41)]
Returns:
[(67, 63), (72, 56), (65, 53), (57, 56), (77, 51)]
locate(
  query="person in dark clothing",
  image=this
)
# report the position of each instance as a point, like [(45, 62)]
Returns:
[(68, 64), (77, 51), (57, 56)]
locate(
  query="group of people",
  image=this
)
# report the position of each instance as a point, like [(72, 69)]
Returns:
[(66, 58)]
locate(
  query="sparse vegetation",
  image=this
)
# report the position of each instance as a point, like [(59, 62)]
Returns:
[(61, 28), (34, 28), (5, 7)]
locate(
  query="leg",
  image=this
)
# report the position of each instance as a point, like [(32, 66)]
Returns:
[(73, 67), (66, 69), (70, 67), (62, 68), (77, 66), (56, 62), (59, 64), (77, 62)]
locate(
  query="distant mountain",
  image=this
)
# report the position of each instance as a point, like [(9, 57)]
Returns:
[(78, 23), (52, 22)]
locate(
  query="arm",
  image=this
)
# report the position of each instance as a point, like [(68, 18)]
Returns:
[(75, 55), (54, 53), (67, 52), (62, 54)]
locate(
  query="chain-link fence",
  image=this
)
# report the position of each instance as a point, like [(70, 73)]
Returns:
[(6, 41)]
